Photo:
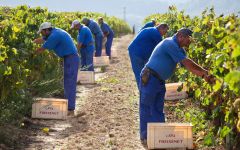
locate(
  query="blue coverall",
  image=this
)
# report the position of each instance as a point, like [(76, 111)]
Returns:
[(62, 44), (95, 29), (87, 49), (141, 48), (163, 61), (147, 25), (110, 34)]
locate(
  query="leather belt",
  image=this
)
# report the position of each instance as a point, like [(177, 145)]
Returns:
[(84, 46), (154, 73), (70, 55)]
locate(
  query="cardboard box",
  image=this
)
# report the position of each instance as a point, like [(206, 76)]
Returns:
[(101, 61), (50, 108), (86, 77), (174, 86), (169, 135), (173, 94)]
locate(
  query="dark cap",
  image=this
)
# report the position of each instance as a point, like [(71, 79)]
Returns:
[(85, 20), (185, 31)]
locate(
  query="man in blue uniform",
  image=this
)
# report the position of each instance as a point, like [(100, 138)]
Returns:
[(160, 67), (95, 29), (108, 33), (142, 46), (85, 45), (152, 23), (62, 44)]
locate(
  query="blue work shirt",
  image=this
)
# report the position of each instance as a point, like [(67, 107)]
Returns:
[(94, 27), (145, 42), (60, 42), (148, 24), (85, 36), (165, 57), (106, 29)]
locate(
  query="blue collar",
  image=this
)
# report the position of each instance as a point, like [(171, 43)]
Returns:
[(81, 26), (90, 21)]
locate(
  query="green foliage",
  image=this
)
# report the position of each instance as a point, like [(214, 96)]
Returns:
[(216, 47), (209, 139), (64, 20)]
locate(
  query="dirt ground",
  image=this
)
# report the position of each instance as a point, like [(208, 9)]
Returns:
[(106, 114)]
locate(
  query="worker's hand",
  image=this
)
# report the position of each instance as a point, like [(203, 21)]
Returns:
[(210, 79), (38, 41), (39, 50)]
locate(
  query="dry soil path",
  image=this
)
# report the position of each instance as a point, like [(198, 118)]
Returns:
[(106, 113)]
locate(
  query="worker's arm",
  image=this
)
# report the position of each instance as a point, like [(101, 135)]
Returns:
[(40, 49), (79, 45), (198, 70), (39, 40)]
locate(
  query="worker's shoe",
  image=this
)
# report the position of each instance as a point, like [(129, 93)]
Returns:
[(70, 113), (144, 142)]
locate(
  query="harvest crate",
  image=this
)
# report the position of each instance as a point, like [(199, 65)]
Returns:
[(173, 94), (169, 135), (50, 108), (101, 61), (86, 77)]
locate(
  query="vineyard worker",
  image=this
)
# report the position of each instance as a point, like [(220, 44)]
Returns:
[(62, 44), (140, 49), (85, 45), (152, 23), (95, 29), (160, 67), (108, 33)]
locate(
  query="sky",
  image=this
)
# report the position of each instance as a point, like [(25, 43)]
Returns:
[(135, 10)]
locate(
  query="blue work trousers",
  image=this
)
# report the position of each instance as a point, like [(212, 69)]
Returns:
[(87, 58), (108, 45), (137, 66), (71, 63), (98, 45), (151, 103)]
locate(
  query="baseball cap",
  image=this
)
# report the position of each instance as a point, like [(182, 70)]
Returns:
[(44, 25), (85, 20), (75, 22), (186, 31)]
